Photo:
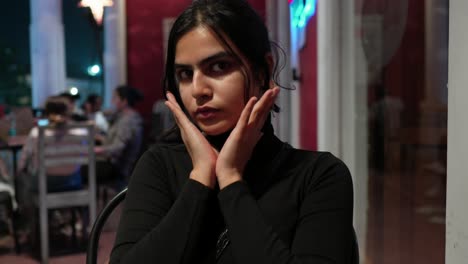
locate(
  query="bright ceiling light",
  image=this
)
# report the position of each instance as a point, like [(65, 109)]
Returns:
[(73, 91), (97, 8)]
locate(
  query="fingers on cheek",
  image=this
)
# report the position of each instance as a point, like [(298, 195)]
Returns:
[(251, 104)]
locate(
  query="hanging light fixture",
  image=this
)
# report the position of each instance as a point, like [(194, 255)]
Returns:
[(97, 8)]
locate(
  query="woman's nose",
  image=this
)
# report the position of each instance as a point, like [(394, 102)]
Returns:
[(201, 87)]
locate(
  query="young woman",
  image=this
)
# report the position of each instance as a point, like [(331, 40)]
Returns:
[(232, 192)]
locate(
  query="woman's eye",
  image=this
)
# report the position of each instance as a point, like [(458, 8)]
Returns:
[(219, 67), (183, 75)]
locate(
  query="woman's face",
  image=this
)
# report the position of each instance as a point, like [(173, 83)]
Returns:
[(211, 81)]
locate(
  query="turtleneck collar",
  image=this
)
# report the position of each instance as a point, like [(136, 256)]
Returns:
[(265, 150), (218, 141)]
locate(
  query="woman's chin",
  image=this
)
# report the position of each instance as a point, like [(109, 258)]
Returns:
[(214, 133), (215, 130)]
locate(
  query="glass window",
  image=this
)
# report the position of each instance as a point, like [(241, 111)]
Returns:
[(15, 88), (83, 49), (404, 46)]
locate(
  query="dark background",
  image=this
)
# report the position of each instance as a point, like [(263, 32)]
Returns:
[(81, 47)]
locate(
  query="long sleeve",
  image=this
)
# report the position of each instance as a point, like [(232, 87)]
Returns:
[(122, 145), (322, 228), (118, 137), (158, 226)]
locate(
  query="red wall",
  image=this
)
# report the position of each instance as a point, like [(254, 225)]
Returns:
[(308, 60), (145, 47)]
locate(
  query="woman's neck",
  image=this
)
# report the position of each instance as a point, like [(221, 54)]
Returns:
[(217, 141)]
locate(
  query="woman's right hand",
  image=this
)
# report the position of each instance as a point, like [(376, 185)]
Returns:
[(201, 152)]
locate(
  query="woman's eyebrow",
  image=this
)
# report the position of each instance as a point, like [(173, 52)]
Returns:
[(214, 57)]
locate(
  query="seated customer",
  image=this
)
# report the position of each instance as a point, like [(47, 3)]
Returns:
[(5, 181), (59, 178), (120, 148), (92, 110), (76, 113)]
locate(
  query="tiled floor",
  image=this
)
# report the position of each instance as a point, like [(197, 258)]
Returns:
[(105, 246), (406, 219), (7, 256)]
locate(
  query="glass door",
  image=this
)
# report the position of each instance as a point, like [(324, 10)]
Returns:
[(401, 58)]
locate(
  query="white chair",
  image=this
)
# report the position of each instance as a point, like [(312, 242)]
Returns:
[(64, 150)]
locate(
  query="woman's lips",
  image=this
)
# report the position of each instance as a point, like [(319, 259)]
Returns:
[(206, 113)]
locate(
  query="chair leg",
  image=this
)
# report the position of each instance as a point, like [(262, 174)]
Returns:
[(13, 216), (73, 226), (105, 196), (15, 231), (84, 222), (14, 220), (44, 233), (98, 194)]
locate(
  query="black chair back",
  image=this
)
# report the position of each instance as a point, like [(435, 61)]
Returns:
[(93, 243), (355, 249)]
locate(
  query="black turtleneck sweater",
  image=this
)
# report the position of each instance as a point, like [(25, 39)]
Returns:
[(293, 206)]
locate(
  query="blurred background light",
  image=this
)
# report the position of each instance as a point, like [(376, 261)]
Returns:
[(73, 91), (94, 70)]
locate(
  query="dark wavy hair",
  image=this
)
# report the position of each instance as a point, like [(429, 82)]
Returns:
[(232, 21), (57, 109), (56, 105)]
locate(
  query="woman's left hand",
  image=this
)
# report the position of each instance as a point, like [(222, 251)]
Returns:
[(238, 148)]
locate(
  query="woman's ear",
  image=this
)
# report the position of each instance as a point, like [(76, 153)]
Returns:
[(263, 83), (269, 60)]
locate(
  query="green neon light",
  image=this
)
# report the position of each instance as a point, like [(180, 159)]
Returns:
[(302, 11)]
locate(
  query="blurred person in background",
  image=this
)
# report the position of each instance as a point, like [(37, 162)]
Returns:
[(5, 180), (162, 123), (92, 110), (57, 113), (76, 113), (118, 150), (59, 178), (5, 187)]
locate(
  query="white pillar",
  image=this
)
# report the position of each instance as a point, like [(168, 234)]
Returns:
[(342, 95), (47, 50), (353, 121), (329, 76), (278, 21), (115, 49), (456, 240)]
